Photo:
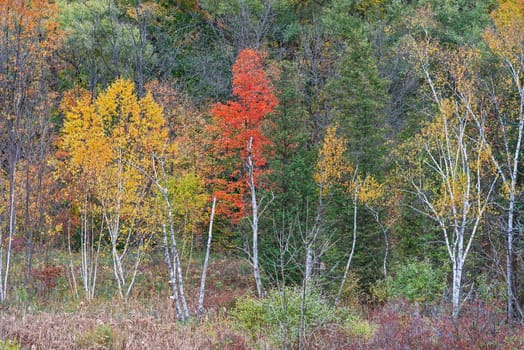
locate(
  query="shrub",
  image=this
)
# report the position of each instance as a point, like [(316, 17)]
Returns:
[(279, 314), (9, 345), (480, 326), (46, 278), (489, 288), (351, 293), (416, 281), (101, 336), (250, 315), (359, 328)]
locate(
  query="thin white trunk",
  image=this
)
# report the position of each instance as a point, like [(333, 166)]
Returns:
[(71, 267), (11, 230), (88, 254), (311, 237), (135, 271), (171, 252), (511, 209), (254, 220), (180, 280), (94, 268), (509, 258), (200, 308), (457, 287), (385, 261), (348, 264), (117, 269), (1, 263), (309, 257), (172, 278), (175, 256), (302, 329)]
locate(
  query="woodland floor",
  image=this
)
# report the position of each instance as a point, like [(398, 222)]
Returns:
[(52, 320)]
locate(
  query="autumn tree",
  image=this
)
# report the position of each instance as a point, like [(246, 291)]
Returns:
[(29, 33), (240, 140), (331, 170), (449, 174), (504, 39), (80, 162), (105, 140)]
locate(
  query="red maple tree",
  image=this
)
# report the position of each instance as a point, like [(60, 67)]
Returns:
[(237, 124)]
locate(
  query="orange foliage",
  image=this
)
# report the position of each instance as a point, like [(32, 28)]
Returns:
[(239, 121), (30, 36)]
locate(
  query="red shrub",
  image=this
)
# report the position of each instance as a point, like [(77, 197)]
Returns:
[(403, 326), (46, 278)]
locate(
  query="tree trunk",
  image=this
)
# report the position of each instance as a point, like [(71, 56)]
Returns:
[(348, 264), (172, 278), (11, 226), (175, 256), (254, 221), (457, 287), (509, 259), (200, 308)]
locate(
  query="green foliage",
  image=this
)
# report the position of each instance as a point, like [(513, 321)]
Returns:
[(461, 21), (250, 315), (359, 328), (358, 97), (416, 281), (351, 292), (9, 345), (100, 336), (489, 288), (101, 43), (278, 315)]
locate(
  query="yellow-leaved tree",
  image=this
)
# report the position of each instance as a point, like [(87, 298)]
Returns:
[(447, 166), (109, 143), (330, 172), (505, 40)]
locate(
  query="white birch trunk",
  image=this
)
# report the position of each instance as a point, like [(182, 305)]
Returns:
[(3, 295), (200, 308), (172, 255), (457, 288), (175, 256), (462, 179), (88, 254), (172, 278), (348, 264), (254, 221)]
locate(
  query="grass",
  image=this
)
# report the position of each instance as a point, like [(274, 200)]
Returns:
[(47, 315)]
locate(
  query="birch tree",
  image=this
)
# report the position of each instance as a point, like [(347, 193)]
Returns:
[(112, 133), (200, 307), (450, 176), (453, 179), (505, 39), (331, 170)]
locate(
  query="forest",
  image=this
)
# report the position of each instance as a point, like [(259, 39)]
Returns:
[(261, 174)]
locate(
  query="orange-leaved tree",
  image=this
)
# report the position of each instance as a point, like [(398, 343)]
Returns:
[(240, 142), (29, 34)]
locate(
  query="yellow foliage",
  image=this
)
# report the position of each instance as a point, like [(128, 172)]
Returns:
[(505, 38), (83, 138), (331, 166), (370, 190), (108, 140)]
